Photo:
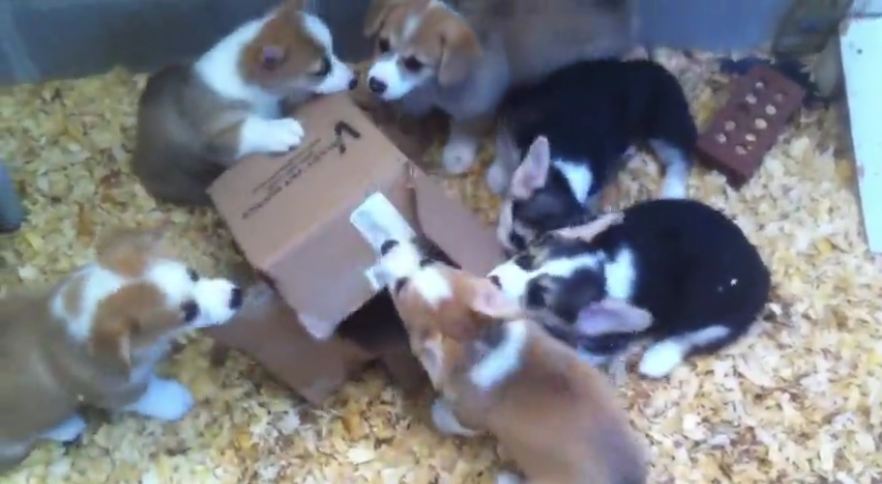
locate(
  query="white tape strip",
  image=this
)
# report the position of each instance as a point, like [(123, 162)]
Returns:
[(377, 220), (375, 277)]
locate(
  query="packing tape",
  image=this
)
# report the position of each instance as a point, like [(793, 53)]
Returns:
[(377, 220)]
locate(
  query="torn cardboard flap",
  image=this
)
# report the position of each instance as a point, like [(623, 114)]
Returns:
[(291, 215)]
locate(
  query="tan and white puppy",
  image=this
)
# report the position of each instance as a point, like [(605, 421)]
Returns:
[(499, 372), (462, 58), (94, 339), (196, 120)]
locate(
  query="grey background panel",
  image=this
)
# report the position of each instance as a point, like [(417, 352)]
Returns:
[(42, 39)]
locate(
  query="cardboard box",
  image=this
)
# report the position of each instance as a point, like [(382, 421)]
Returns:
[(291, 216)]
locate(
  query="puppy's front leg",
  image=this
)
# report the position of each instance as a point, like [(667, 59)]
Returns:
[(66, 431), (446, 422), (461, 148), (254, 135), (164, 399), (592, 229)]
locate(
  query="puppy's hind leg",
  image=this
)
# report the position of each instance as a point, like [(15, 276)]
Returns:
[(164, 399), (677, 164), (663, 356)]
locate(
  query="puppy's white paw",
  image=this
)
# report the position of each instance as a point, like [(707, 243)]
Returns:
[(164, 399), (218, 301), (446, 422), (66, 431), (459, 155), (661, 359), (498, 178), (507, 477), (674, 187), (260, 135)]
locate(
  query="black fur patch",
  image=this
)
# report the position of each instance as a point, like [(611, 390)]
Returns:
[(387, 246)]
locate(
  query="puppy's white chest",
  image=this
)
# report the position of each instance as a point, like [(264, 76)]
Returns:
[(621, 274)]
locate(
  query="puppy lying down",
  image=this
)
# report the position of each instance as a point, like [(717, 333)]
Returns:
[(499, 372)]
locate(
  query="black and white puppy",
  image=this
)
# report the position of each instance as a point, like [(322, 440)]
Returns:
[(687, 264), (590, 114)]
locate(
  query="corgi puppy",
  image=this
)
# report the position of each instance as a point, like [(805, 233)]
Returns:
[(95, 337), (462, 59), (196, 120), (687, 264), (499, 372), (590, 114)]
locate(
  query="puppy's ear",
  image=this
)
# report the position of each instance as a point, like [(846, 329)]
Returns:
[(488, 300), (612, 316), (459, 52), (298, 5), (533, 172), (271, 57), (376, 15)]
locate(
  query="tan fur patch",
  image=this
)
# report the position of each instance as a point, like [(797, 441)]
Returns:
[(299, 53)]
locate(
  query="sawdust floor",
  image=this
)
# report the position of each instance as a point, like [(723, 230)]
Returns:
[(800, 400)]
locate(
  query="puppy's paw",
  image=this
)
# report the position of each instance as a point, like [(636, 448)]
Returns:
[(674, 187), (498, 178), (165, 400), (270, 136), (660, 359), (67, 431), (446, 422), (459, 155)]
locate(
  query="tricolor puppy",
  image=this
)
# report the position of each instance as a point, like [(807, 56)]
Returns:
[(196, 120), (461, 57), (560, 141), (687, 264), (94, 339), (499, 372)]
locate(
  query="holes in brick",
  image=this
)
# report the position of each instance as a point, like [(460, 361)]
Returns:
[(741, 150), (771, 110), (750, 137), (751, 99), (721, 138), (779, 97), (760, 123), (729, 125), (759, 85)]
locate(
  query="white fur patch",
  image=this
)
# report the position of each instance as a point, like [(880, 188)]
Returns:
[(677, 165), (214, 297), (459, 152), (96, 283), (446, 422), (219, 69), (513, 279), (504, 228), (172, 278), (661, 358), (620, 275), (164, 399), (503, 360), (578, 177), (341, 75), (432, 286), (403, 261), (398, 81), (319, 31)]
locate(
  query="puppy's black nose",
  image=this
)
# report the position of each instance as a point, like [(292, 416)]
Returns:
[(376, 86), (495, 281), (353, 83), (236, 298)]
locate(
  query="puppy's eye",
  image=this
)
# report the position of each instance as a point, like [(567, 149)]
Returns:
[(324, 68), (193, 275), (383, 45), (412, 64), (191, 310)]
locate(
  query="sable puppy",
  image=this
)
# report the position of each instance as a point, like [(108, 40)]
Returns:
[(196, 120), (687, 264), (499, 372), (94, 338), (462, 56)]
